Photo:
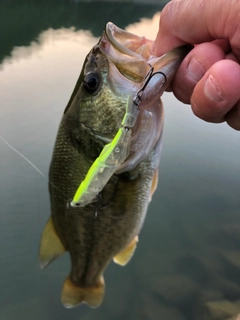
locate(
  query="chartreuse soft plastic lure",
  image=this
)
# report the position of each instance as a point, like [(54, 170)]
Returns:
[(109, 160)]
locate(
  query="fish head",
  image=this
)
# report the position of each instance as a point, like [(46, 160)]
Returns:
[(115, 69)]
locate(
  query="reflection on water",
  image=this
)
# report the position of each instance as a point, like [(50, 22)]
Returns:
[(187, 264), (23, 21)]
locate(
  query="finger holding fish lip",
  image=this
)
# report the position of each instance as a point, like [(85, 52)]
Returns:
[(193, 68), (208, 68), (217, 93)]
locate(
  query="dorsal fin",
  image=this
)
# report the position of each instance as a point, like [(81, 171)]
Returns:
[(51, 246)]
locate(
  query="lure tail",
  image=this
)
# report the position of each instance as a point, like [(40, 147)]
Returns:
[(73, 295)]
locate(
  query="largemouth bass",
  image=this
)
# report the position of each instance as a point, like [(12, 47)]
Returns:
[(119, 76)]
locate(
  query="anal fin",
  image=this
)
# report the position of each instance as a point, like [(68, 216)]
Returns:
[(51, 246), (73, 295), (126, 254)]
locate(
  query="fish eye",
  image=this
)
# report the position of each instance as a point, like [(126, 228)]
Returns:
[(91, 82)]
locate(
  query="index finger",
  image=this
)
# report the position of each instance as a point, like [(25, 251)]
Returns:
[(191, 21)]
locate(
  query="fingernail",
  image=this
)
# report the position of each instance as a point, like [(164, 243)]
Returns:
[(213, 90), (195, 69)]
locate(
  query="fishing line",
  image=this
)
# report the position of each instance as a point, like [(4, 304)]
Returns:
[(21, 155), (34, 167)]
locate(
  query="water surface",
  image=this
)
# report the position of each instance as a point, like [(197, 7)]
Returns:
[(187, 262)]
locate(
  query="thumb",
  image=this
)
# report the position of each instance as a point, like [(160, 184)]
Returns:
[(191, 21)]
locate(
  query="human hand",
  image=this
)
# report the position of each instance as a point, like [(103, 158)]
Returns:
[(209, 76)]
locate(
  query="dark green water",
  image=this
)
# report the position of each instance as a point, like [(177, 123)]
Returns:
[(187, 264)]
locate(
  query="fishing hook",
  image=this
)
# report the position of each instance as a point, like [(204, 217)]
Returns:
[(148, 77)]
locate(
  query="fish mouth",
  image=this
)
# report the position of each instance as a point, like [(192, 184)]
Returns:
[(125, 42), (125, 51), (133, 57)]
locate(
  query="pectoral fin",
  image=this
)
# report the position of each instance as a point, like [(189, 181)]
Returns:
[(126, 254), (51, 246), (154, 184)]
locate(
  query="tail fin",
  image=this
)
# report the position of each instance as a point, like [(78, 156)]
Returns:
[(73, 295)]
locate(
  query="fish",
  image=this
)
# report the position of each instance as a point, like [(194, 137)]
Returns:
[(116, 98)]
